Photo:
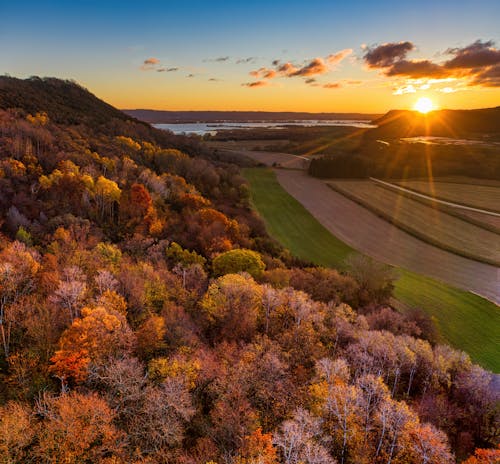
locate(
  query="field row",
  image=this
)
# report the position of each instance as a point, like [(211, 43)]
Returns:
[(477, 196), (429, 224)]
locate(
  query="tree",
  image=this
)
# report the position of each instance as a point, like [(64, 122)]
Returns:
[(484, 456), (71, 291), (16, 432), (159, 421), (18, 269), (96, 337), (76, 428), (298, 440), (376, 280), (238, 260), (257, 448), (231, 306), (430, 445), (151, 336), (107, 194)]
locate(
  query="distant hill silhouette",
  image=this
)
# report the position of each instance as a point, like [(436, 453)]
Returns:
[(159, 117), (442, 123)]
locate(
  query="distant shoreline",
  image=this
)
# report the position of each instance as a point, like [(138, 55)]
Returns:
[(191, 117)]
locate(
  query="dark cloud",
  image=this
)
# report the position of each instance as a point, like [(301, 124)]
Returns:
[(386, 54), (213, 79), (255, 84), (478, 62), (167, 69), (219, 59), (250, 59), (417, 69), (190, 75), (490, 77), (311, 80), (476, 55)]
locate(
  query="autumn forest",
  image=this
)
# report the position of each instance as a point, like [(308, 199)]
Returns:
[(146, 316)]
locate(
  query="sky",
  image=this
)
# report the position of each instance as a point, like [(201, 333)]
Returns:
[(274, 55)]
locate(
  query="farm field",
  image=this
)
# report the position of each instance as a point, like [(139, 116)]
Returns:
[(464, 319), (424, 222), (486, 220), (476, 195)]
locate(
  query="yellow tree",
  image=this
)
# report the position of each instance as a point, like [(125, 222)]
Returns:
[(107, 193), (231, 306)]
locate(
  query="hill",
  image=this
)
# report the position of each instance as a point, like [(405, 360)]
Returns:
[(64, 101), (159, 117), (443, 123)]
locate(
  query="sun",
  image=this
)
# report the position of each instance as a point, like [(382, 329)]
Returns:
[(424, 105)]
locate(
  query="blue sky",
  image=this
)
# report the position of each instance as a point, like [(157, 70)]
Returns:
[(104, 44)]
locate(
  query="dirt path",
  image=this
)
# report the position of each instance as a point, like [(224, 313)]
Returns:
[(372, 235)]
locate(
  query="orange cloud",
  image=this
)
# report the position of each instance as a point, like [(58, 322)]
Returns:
[(332, 85), (315, 67), (152, 61), (336, 58)]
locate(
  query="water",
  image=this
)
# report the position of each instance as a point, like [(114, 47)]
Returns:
[(202, 128), (430, 140)]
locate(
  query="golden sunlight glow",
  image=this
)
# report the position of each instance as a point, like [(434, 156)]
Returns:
[(424, 105)]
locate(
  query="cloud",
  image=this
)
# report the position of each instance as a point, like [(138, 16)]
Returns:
[(250, 59), (478, 63), (336, 58), (416, 69), (384, 56), (332, 85), (264, 73), (404, 89), (490, 77), (152, 61), (219, 59), (476, 55), (167, 69), (213, 79), (313, 68), (255, 84), (190, 75), (311, 80)]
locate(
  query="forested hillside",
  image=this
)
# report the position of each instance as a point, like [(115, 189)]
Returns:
[(146, 316)]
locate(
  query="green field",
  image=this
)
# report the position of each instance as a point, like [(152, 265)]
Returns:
[(429, 224), (465, 320)]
